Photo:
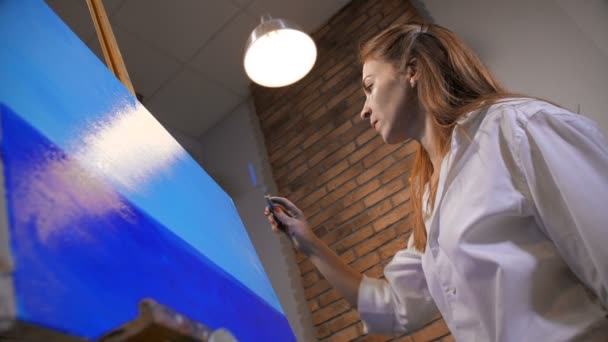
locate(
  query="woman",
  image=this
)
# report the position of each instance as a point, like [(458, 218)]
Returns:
[(510, 239)]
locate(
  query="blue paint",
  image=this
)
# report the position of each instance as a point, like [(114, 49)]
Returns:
[(50, 77), (85, 273), (254, 180)]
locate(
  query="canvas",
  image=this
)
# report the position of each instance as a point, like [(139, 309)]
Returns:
[(102, 207)]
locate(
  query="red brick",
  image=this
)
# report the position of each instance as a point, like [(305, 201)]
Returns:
[(329, 297), (317, 135), (353, 239), (343, 128), (376, 338), (336, 157), (318, 152), (306, 266), (335, 170), (348, 174), (344, 320), (312, 198), (365, 150), (383, 192), (348, 256), (366, 261), (299, 257), (323, 330), (359, 128), (375, 170), (390, 249), (374, 242), (404, 226), (402, 196), (337, 194), (318, 288), (377, 155), (325, 214), (360, 192), (283, 157), (313, 304), (366, 136), (342, 95), (353, 25), (347, 334), (371, 214), (396, 169), (337, 67), (346, 214), (407, 149), (377, 271), (298, 171), (330, 311), (310, 278), (304, 103), (391, 217)]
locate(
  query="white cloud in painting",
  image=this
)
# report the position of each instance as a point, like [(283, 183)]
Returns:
[(129, 148)]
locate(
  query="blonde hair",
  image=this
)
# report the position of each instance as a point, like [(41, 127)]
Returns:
[(452, 82)]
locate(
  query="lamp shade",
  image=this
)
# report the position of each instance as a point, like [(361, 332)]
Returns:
[(278, 53)]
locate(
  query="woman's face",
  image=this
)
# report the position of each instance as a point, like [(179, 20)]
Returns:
[(391, 104)]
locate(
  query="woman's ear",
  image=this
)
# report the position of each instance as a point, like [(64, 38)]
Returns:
[(411, 72)]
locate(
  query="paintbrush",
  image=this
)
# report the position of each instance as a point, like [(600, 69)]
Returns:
[(267, 197)]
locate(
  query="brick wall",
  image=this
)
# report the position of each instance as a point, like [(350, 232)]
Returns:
[(351, 186)]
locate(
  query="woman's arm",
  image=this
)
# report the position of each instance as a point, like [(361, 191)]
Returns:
[(564, 160), (400, 303), (340, 275)]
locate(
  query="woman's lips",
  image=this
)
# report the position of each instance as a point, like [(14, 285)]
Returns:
[(374, 124)]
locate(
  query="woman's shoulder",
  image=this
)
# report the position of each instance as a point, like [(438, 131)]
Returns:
[(519, 113), (513, 114), (523, 109)]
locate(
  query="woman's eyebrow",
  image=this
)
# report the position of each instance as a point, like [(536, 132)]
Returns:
[(363, 80)]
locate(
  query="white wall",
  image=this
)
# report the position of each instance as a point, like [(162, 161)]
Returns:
[(226, 151), (554, 49)]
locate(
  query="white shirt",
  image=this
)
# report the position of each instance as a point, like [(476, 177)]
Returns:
[(517, 246)]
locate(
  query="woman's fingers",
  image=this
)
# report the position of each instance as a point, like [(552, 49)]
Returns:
[(273, 224), (275, 229), (282, 214), (287, 204)]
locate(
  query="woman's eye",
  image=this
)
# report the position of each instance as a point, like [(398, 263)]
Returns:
[(368, 88)]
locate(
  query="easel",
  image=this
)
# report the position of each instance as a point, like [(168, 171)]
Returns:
[(107, 40)]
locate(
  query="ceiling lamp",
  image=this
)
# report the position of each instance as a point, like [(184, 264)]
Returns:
[(278, 53)]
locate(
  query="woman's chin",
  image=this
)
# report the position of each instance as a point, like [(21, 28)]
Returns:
[(391, 140)]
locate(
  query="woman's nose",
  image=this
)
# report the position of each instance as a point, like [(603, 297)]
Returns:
[(366, 112)]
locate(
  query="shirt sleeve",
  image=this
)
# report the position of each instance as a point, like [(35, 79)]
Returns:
[(564, 159), (402, 302)]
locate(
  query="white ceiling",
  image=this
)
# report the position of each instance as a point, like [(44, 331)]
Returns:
[(185, 56)]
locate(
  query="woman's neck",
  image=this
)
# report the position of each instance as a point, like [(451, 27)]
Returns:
[(428, 140)]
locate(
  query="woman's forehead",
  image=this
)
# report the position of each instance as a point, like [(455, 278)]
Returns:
[(375, 66)]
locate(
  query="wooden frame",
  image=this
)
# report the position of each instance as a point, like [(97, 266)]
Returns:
[(108, 43)]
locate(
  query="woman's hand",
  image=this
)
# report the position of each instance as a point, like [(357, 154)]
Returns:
[(343, 277), (295, 224)]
